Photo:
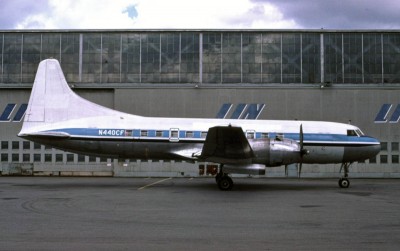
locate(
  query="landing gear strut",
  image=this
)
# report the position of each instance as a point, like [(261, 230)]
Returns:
[(344, 182), (224, 182)]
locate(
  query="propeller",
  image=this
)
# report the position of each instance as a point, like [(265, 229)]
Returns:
[(302, 150)]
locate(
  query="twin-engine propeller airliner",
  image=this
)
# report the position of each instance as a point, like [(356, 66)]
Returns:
[(59, 118)]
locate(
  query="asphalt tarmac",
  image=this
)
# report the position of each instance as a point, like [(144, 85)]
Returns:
[(54, 213)]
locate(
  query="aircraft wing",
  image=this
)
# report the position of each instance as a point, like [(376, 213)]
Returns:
[(226, 144)]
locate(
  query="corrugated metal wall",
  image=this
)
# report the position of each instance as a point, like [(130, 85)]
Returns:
[(362, 107)]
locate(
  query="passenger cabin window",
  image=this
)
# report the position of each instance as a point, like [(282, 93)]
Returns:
[(250, 134), (174, 135), (279, 136)]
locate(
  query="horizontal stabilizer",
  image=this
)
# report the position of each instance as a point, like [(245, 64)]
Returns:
[(47, 134)]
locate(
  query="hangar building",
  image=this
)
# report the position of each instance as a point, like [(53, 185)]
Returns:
[(333, 75)]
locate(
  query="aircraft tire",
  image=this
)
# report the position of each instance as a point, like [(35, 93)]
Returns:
[(225, 183), (344, 183)]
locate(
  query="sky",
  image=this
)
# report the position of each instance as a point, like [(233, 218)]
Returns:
[(199, 14)]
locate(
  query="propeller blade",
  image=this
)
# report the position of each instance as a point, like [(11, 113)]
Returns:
[(302, 151), (301, 138)]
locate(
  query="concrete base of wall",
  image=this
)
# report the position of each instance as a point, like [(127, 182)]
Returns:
[(183, 169)]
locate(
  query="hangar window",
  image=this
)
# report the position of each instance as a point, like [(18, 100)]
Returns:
[(264, 135), (159, 133), (26, 157), (15, 157), (395, 159), (37, 146), (81, 158), (4, 157), (70, 158), (48, 157), (37, 157), (203, 135), (395, 146), (26, 145), (59, 157), (384, 146), (384, 159), (4, 145), (15, 145)]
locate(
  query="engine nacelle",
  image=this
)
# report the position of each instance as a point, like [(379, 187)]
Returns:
[(275, 152)]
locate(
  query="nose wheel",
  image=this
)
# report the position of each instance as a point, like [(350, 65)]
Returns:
[(344, 181)]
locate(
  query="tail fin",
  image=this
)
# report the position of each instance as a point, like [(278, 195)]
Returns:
[(53, 101)]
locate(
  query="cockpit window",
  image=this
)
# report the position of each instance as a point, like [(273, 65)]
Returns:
[(357, 133), (351, 133)]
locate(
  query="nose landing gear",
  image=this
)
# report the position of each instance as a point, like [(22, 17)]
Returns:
[(344, 182)]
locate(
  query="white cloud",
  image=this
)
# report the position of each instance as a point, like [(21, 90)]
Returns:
[(208, 14), (86, 14), (157, 14)]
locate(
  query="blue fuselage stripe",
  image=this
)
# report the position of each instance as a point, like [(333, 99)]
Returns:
[(164, 135)]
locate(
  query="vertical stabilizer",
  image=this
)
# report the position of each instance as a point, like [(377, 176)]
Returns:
[(53, 101)]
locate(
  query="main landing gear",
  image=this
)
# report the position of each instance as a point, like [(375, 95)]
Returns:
[(344, 182), (223, 180)]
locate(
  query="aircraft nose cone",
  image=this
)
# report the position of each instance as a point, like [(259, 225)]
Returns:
[(368, 151), (375, 149), (372, 150)]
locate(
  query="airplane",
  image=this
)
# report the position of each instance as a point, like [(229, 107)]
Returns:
[(59, 118)]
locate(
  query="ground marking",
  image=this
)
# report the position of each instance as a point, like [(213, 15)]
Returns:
[(154, 183)]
